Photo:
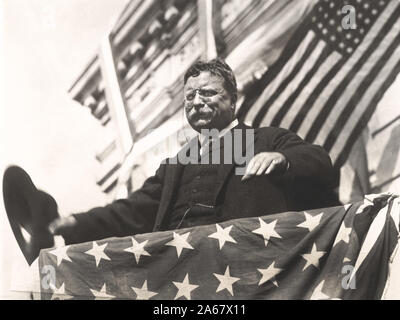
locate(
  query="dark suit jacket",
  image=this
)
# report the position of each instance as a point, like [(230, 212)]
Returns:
[(307, 184)]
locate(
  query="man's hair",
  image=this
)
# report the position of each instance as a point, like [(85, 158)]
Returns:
[(216, 67)]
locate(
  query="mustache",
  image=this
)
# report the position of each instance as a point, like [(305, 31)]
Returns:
[(199, 108), (200, 115)]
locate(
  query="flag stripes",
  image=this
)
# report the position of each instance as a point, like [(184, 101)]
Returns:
[(328, 81), (367, 115), (253, 101), (339, 90), (366, 77)]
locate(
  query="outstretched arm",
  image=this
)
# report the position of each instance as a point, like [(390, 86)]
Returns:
[(124, 217)]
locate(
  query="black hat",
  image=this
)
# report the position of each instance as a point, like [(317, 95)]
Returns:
[(30, 209)]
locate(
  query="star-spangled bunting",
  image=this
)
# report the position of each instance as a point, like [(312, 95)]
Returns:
[(98, 252), (180, 242), (138, 249), (143, 293), (184, 288), (312, 258), (267, 230), (222, 235), (102, 293), (61, 254), (269, 274), (318, 294), (244, 269), (311, 221), (60, 293), (226, 281), (343, 235)]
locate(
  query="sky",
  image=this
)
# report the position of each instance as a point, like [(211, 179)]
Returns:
[(44, 46)]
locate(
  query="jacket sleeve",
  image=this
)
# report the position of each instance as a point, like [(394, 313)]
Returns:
[(124, 217), (306, 161), (310, 180)]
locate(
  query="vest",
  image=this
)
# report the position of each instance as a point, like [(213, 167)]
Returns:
[(194, 201)]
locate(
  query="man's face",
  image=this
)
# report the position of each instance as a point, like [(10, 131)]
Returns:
[(207, 104)]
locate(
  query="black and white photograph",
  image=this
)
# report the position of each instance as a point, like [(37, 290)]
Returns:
[(200, 150)]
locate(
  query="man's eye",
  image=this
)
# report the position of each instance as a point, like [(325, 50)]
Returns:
[(208, 93), (190, 96)]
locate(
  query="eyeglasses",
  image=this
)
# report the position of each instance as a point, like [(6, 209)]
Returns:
[(202, 92)]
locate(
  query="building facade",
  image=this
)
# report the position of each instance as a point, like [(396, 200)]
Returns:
[(152, 44)]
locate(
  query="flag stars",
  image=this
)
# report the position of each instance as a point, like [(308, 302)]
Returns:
[(226, 281), (267, 230), (102, 294), (138, 249), (143, 293), (180, 242), (222, 235), (184, 288), (343, 235), (311, 221), (269, 274), (318, 294), (312, 258), (346, 260), (61, 254), (60, 293), (98, 252)]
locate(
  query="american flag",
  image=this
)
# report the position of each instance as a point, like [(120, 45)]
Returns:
[(333, 253), (329, 79)]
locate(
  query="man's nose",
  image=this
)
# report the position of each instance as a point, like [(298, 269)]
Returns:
[(197, 99)]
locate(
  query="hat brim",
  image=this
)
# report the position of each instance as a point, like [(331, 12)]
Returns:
[(29, 212)]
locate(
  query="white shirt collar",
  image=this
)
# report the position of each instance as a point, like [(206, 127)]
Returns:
[(233, 124)]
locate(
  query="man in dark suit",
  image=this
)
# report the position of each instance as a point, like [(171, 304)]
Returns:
[(285, 173)]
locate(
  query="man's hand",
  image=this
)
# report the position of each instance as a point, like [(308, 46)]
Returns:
[(58, 225), (266, 163)]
